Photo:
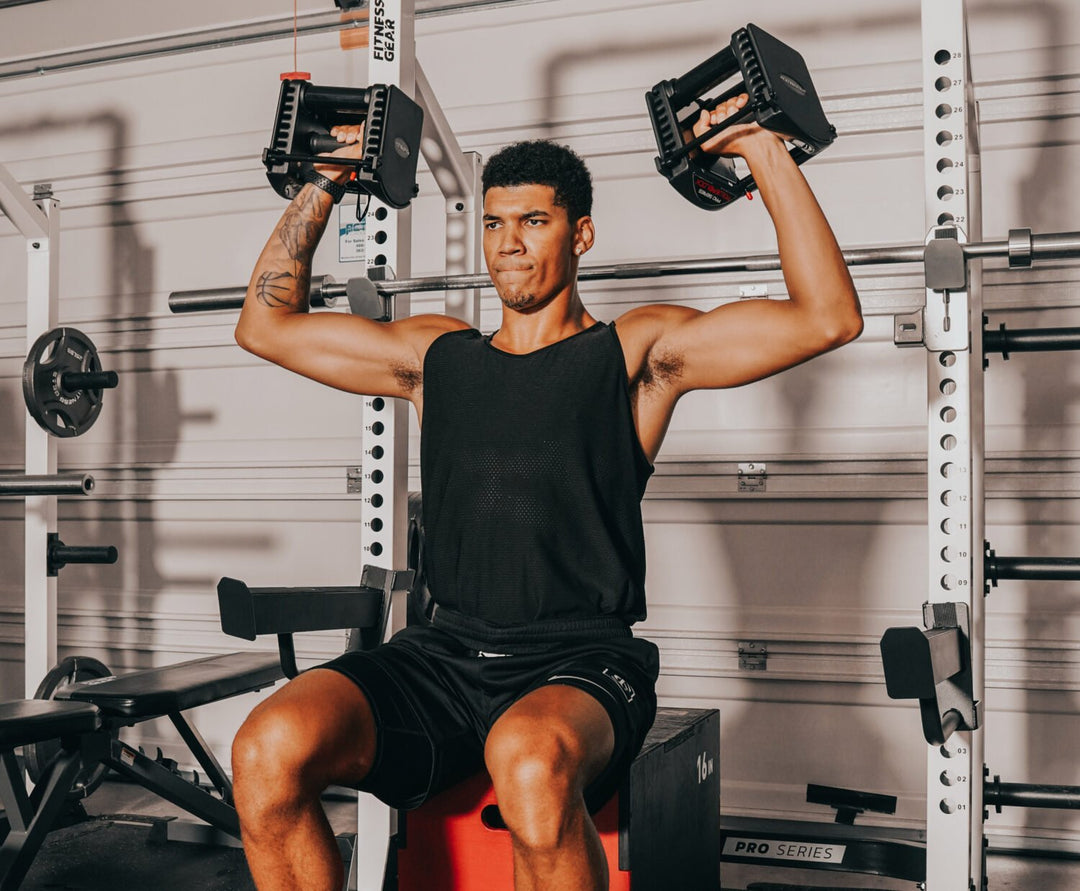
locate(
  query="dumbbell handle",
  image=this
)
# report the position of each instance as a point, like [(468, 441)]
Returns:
[(88, 380), (319, 144)]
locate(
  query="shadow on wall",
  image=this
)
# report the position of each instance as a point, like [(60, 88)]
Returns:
[(92, 598), (698, 45)]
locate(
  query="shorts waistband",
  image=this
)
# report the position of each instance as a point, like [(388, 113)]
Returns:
[(520, 639)]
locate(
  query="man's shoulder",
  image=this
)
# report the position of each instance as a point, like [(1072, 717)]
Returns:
[(424, 330), (643, 326)]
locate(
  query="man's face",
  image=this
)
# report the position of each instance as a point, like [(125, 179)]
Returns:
[(529, 244)]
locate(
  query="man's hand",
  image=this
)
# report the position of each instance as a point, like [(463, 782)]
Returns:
[(351, 138), (736, 140)]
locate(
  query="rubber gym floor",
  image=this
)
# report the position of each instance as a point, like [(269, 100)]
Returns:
[(120, 848)]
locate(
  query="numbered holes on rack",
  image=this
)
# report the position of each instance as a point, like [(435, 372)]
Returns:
[(377, 474), (948, 442), (947, 359), (943, 57), (380, 235), (948, 414)]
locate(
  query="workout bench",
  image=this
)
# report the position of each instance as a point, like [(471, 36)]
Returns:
[(86, 716)]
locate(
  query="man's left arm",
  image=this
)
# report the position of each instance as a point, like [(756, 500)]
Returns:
[(742, 342)]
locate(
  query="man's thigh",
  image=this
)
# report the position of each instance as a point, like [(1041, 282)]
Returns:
[(620, 677), (426, 735)]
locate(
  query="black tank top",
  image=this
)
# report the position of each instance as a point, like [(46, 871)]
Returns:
[(532, 477)]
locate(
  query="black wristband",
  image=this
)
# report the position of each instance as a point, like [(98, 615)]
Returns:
[(333, 189)]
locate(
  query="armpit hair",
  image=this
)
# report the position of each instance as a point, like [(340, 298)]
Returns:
[(410, 377), (662, 369)]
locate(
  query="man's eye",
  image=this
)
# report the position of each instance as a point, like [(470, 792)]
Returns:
[(491, 225)]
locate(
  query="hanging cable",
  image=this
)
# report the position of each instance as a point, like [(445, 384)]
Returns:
[(296, 74)]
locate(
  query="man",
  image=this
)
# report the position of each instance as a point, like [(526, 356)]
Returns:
[(536, 445)]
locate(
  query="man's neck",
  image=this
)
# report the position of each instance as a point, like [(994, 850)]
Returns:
[(526, 332)]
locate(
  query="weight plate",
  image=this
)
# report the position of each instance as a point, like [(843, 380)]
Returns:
[(40, 755), (60, 412)]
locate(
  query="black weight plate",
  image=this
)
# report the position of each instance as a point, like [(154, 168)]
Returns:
[(41, 754), (56, 410)]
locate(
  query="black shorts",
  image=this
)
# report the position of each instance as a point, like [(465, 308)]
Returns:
[(435, 700)]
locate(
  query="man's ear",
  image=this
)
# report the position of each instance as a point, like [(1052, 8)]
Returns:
[(584, 235)]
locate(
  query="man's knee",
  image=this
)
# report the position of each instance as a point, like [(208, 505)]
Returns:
[(272, 762), (299, 741), (538, 780)]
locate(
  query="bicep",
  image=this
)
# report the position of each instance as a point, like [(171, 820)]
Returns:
[(738, 343)]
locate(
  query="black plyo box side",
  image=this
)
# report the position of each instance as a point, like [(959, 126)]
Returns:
[(669, 821)]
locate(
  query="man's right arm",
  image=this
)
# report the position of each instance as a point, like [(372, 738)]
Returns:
[(343, 351)]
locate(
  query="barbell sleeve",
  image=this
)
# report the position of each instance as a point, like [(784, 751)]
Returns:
[(47, 484), (72, 381), (209, 299)]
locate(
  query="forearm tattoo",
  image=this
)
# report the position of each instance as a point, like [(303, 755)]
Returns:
[(303, 225), (299, 232)]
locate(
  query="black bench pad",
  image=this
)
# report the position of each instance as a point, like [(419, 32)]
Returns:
[(33, 720), (175, 688)]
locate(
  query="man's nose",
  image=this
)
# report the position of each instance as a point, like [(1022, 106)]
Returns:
[(510, 241)]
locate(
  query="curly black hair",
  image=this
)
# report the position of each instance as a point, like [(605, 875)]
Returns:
[(545, 163)]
